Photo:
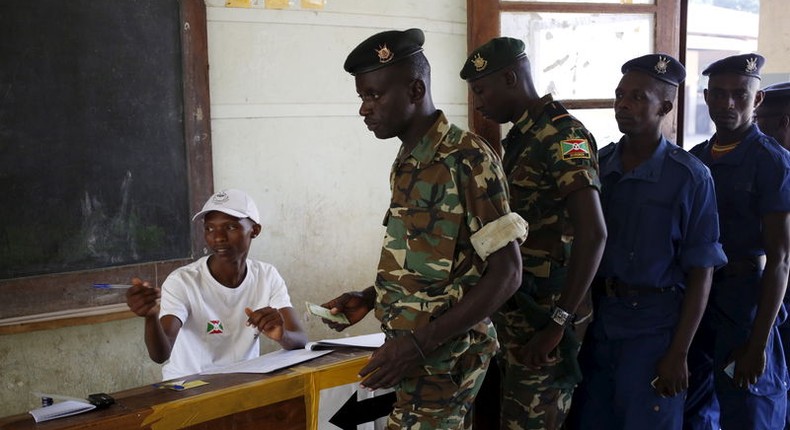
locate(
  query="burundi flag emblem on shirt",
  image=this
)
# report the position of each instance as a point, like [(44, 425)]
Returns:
[(214, 327), (575, 148)]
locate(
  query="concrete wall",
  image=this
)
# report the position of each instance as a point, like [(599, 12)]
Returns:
[(774, 41), (285, 128)]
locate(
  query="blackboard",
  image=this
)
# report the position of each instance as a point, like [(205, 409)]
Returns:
[(104, 146)]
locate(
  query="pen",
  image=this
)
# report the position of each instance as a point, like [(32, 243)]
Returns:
[(112, 286)]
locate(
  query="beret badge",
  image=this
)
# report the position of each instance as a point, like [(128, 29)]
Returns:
[(751, 65), (661, 65), (480, 63), (384, 53)]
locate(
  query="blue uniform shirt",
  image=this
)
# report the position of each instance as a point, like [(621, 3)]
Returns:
[(661, 217), (751, 181)]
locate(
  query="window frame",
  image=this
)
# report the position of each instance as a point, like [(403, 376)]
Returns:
[(483, 24)]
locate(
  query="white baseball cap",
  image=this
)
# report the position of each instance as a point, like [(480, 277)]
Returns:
[(232, 202)]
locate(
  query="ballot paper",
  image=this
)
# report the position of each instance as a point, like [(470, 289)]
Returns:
[(269, 362), (61, 409), (324, 313), (366, 341)]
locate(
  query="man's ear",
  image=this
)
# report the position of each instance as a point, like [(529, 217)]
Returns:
[(759, 96), (511, 78), (416, 90), (784, 121), (666, 107), (256, 230)]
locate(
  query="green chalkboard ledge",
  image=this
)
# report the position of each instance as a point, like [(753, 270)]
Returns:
[(68, 299)]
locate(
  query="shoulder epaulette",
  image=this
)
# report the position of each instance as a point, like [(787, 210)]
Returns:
[(557, 112)]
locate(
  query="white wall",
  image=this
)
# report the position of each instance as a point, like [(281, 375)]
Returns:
[(285, 128)]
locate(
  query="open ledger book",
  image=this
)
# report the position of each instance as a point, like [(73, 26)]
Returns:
[(367, 341)]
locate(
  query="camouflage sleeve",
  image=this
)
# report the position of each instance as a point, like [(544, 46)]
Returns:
[(573, 160), (496, 234), (485, 191)]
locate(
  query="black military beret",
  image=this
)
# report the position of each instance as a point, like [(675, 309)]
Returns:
[(384, 49), (777, 92), (744, 64), (494, 55), (660, 66)]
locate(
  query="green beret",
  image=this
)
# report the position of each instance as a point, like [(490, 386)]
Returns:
[(745, 64), (384, 49), (660, 66), (496, 54)]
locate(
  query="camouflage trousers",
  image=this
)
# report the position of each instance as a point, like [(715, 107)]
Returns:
[(537, 399), (441, 401)]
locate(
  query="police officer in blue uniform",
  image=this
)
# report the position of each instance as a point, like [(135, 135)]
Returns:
[(752, 176), (652, 285), (773, 118), (773, 114)]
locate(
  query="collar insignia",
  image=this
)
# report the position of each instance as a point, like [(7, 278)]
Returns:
[(480, 63), (751, 65), (384, 53), (662, 65)]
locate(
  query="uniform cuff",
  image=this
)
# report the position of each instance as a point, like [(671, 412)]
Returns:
[(496, 234)]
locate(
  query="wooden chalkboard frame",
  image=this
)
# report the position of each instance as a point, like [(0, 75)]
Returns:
[(56, 300)]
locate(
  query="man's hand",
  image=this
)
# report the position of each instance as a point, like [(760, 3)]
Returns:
[(267, 320), (673, 375), (390, 363), (537, 352), (749, 365), (355, 305), (143, 299)]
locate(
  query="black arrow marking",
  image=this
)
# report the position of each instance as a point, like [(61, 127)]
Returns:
[(355, 412)]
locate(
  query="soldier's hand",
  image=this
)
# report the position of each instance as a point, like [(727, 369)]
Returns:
[(390, 363), (143, 299), (538, 351), (355, 305)]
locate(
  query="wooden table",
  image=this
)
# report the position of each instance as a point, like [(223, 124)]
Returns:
[(283, 400)]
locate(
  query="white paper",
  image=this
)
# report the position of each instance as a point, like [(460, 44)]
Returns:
[(369, 341), (61, 409), (269, 362)]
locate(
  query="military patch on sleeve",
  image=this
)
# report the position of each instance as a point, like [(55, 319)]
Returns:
[(575, 148)]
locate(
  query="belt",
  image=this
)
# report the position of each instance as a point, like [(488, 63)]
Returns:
[(744, 266), (613, 287)]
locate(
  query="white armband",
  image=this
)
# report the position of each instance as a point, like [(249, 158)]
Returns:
[(498, 233)]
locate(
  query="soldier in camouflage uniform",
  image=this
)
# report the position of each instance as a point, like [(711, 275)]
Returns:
[(450, 252), (551, 166)]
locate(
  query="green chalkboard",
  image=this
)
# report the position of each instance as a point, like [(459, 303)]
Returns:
[(102, 158)]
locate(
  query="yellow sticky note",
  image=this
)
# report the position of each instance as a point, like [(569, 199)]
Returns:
[(313, 4), (238, 3), (277, 4)]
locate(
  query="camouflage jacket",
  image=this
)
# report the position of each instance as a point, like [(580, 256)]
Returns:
[(445, 190), (548, 155)]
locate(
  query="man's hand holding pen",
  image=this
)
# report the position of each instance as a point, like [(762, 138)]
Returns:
[(143, 298)]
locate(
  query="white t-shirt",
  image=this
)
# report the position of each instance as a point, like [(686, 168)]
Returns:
[(214, 330)]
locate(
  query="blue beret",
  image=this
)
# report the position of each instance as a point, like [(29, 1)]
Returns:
[(660, 66), (494, 55), (777, 92), (744, 64), (384, 49)]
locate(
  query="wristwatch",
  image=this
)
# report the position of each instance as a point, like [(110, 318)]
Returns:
[(561, 316)]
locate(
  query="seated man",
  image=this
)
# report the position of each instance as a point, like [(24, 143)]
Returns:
[(206, 307)]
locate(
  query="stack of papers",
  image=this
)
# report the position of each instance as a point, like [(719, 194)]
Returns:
[(269, 362), (60, 410), (367, 341)]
